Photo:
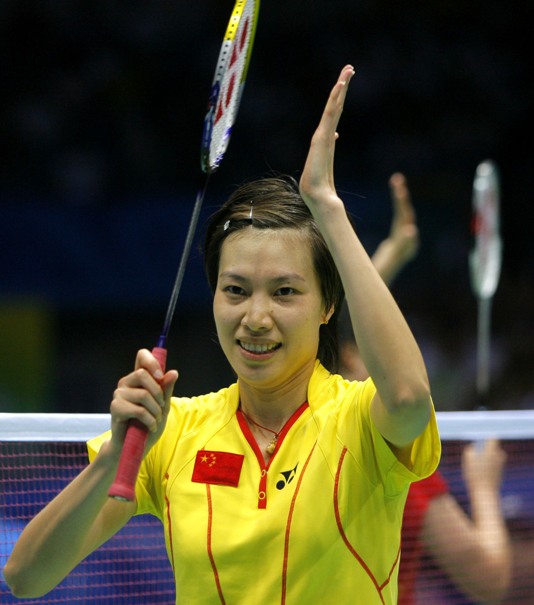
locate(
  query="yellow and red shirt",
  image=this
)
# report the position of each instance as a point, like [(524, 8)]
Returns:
[(319, 523)]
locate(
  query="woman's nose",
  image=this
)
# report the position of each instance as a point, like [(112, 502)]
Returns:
[(257, 317)]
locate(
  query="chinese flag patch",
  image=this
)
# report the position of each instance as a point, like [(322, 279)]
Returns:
[(218, 468)]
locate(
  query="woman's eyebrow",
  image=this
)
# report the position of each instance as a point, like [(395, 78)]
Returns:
[(285, 277), (288, 277), (232, 276)]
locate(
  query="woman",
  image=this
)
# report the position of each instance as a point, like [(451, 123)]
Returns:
[(291, 465)]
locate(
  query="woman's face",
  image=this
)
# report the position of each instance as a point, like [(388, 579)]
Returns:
[(268, 307)]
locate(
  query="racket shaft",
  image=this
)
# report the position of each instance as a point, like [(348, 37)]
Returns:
[(183, 261), (123, 487), (483, 346), (230, 76)]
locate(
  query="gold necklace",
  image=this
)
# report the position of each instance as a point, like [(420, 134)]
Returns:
[(271, 446)]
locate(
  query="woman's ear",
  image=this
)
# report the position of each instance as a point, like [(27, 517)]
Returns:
[(328, 315)]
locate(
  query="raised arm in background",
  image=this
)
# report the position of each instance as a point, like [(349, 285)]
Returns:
[(402, 244), (474, 550)]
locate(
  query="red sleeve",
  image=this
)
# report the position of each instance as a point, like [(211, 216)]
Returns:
[(419, 497), (431, 487)]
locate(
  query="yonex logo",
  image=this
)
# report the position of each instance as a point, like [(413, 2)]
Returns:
[(230, 87), (288, 476)]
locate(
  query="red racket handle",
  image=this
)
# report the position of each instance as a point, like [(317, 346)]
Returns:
[(123, 487)]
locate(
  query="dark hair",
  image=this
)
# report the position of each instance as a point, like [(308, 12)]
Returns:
[(275, 203)]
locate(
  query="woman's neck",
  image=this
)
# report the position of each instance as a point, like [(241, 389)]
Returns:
[(272, 407)]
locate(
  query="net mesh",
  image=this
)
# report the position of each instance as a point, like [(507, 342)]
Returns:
[(38, 458)]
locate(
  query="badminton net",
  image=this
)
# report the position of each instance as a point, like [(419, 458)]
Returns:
[(41, 453)]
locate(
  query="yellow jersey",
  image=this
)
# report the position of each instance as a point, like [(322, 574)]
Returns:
[(320, 523)]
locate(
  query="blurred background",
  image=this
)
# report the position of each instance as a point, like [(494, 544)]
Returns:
[(101, 112)]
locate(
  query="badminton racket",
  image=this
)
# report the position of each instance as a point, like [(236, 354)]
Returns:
[(485, 264), (224, 99)]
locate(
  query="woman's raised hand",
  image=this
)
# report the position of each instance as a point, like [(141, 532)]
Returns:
[(317, 181)]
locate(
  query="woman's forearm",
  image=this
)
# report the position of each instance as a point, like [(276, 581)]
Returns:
[(71, 526), (402, 407), (384, 339), (494, 539)]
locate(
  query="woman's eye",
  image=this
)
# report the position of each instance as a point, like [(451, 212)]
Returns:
[(234, 290), (287, 291)]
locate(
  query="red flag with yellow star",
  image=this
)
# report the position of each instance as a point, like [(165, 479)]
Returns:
[(219, 468)]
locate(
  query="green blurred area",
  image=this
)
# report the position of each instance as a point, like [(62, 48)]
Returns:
[(27, 352)]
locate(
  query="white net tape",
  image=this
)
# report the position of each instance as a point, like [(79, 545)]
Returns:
[(462, 426)]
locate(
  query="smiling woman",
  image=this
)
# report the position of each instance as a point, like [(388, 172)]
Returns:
[(268, 311), (291, 461), (274, 208)]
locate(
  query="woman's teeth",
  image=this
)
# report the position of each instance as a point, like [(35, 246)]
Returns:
[(258, 348)]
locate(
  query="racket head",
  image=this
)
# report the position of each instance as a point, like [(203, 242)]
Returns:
[(228, 83), (485, 258)]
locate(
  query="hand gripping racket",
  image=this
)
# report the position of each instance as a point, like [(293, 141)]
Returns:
[(225, 96), (485, 263)]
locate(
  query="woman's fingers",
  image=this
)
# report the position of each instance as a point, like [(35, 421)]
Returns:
[(336, 101), (317, 177), (138, 403), (402, 202), (328, 124), (167, 384), (145, 359), (144, 394)]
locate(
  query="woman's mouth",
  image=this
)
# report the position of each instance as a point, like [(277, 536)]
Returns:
[(258, 348)]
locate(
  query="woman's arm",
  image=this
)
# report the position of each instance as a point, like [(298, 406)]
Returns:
[(402, 407), (69, 528), (474, 551), (391, 256), (82, 516), (402, 243)]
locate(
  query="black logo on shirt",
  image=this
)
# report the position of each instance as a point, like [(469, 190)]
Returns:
[(288, 476)]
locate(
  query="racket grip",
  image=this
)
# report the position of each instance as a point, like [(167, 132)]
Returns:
[(123, 487), (160, 354)]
